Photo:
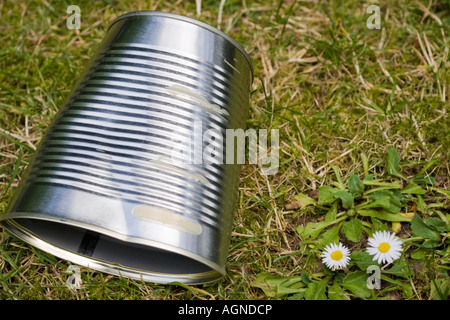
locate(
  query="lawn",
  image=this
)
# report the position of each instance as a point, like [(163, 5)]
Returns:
[(362, 111)]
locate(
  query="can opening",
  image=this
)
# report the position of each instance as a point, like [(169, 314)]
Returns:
[(96, 249)]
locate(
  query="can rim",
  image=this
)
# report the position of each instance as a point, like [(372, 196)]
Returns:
[(189, 20), (214, 274)]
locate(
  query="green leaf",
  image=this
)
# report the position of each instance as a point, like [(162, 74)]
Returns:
[(421, 205), (355, 185), (313, 229), (380, 202), (440, 288), (436, 224), (277, 286), (420, 253), (393, 162), (346, 198), (413, 188), (353, 229), (362, 259), (383, 215), (330, 236), (400, 268), (425, 180), (356, 282), (296, 296), (386, 199), (431, 244), (382, 184), (420, 229), (405, 287), (326, 195), (365, 162), (335, 292), (339, 182), (332, 213), (378, 225), (306, 279), (316, 290), (442, 191), (304, 200)]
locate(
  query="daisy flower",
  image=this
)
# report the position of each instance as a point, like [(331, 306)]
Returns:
[(335, 256), (385, 247)]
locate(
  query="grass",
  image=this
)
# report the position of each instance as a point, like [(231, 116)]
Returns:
[(342, 96)]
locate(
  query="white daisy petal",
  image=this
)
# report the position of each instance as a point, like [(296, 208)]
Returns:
[(377, 255), (380, 259), (372, 242), (384, 246), (372, 250), (335, 256)]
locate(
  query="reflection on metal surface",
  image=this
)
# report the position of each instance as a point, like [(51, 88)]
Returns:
[(166, 165)]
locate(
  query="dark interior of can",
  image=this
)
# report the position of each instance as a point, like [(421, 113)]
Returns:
[(110, 250)]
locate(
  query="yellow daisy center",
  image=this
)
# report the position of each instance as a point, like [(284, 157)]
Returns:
[(336, 255), (384, 247)]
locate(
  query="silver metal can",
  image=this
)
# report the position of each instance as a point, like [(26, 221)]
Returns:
[(120, 182)]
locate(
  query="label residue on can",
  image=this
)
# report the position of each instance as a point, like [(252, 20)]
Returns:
[(167, 217), (182, 92)]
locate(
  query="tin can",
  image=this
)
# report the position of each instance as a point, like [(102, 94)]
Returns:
[(129, 179)]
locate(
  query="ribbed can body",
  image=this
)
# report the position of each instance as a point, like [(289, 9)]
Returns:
[(131, 176)]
